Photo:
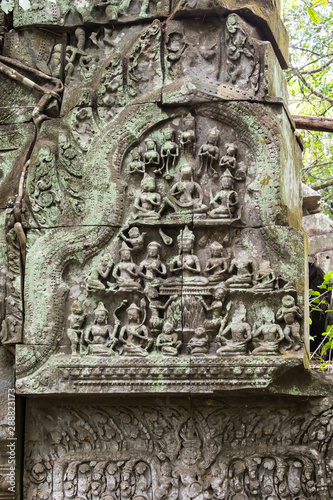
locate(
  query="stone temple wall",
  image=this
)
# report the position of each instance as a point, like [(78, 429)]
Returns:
[(153, 283)]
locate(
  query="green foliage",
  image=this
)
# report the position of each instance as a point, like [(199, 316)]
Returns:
[(319, 301), (310, 80)]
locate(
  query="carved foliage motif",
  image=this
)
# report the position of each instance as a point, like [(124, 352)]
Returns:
[(176, 453)]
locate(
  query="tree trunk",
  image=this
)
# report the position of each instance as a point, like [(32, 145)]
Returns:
[(318, 123)]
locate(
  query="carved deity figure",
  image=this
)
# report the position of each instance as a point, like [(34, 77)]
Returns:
[(167, 341), (192, 486), (136, 164), (267, 337), (290, 314), (74, 54), (155, 307), (235, 338), (134, 335), (199, 343), (152, 269), (209, 153), (102, 270), (148, 202), (187, 137), (100, 336), (186, 195), (216, 308), (217, 265), (169, 153), (186, 263), (151, 156), (126, 273), (224, 203), (135, 239), (75, 323)]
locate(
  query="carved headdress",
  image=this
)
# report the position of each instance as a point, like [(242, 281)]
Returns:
[(185, 234)]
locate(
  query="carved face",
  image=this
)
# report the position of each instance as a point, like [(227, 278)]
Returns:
[(126, 255), (134, 232), (100, 316), (227, 183), (133, 315), (153, 250), (186, 245), (288, 301)]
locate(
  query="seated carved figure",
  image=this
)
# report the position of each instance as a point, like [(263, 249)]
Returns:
[(167, 342), (265, 279), (225, 201), (217, 265), (186, 264), (235, 338), (186, 195), (99, 336), (216, 307), (148, 203), (102, 270), (268, 336), (134, 335), (199, 343), (243, 266), (126, 272)]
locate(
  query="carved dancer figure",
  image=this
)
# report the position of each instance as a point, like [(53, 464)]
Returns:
[(135, 239), (152, 268), (186, 263), (224, 203), (165, 484), (126, 272), (209, 153), (75, 323), (100, 336), (167, 341), (134, 335), (148, 202), (169, 153), (74, 54), (199, 343), (290, 314), (187, 138), (186, 195), (267, 337), (102, 270), (217, 265), (151, 156), (239, 333), (136, 164)]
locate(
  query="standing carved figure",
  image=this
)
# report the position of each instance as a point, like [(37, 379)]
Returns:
[(136, 164), (291, 314), (75, 323), (187, 138), (151, 156), (209, 153), (169, 153)]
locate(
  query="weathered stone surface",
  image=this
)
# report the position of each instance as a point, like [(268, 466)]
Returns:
[(228, 449)]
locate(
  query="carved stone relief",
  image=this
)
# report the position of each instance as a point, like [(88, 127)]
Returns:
[(178, 452)]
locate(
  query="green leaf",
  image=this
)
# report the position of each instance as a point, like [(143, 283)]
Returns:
[(317, 2), (310, 321), (313, 15)]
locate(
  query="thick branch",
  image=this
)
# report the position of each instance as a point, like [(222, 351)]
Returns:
[(318, 123), (323, 185)]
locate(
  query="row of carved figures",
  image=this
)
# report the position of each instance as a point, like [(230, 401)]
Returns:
[(169, 153), (183, 269), (253, 478), (233, 337)]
